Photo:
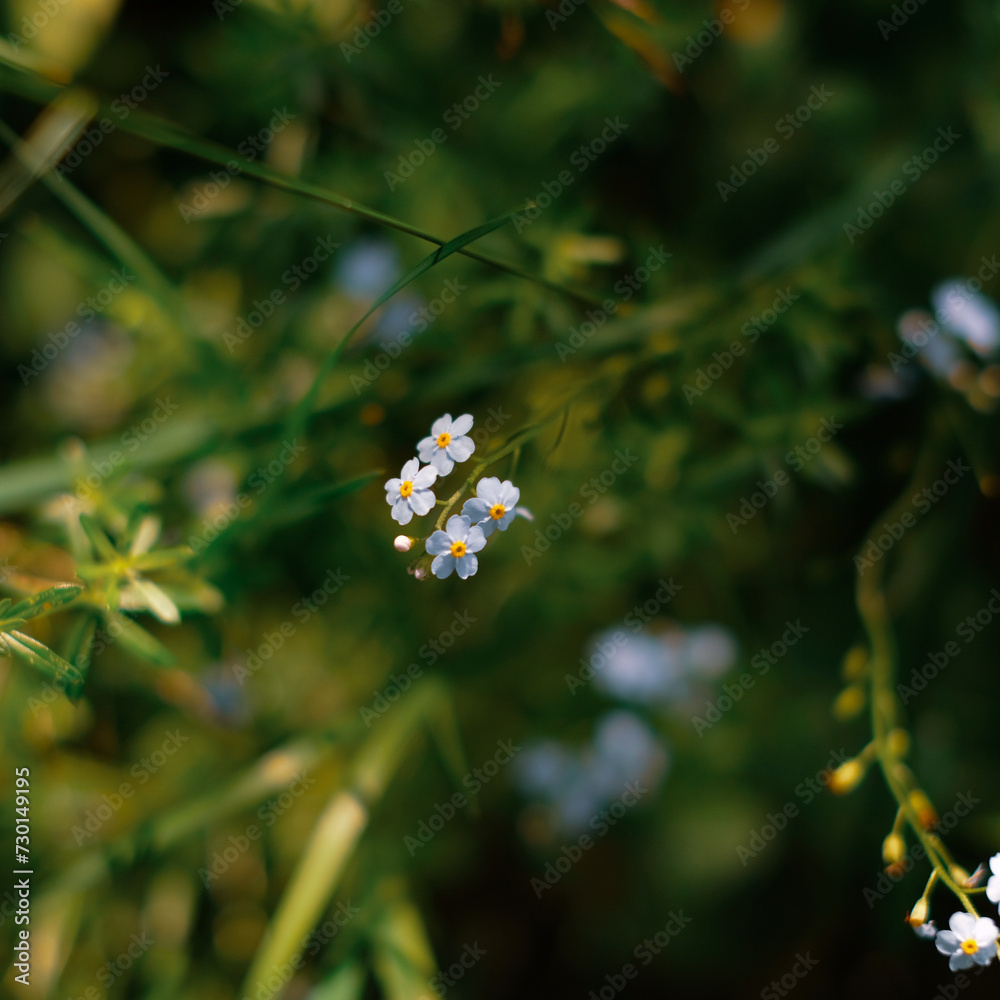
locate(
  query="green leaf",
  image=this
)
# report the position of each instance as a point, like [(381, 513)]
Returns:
[(162, 558), (17, 79), (300, 415), (43, 659), (98, 538), (305, 503), (446, 734), (138, 641), (346, 983), (45, 601), (76, 650)]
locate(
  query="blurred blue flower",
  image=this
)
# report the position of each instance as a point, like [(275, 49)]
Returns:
[(367, 268), (642, 669)]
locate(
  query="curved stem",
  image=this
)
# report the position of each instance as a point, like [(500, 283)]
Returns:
[(874, 612)]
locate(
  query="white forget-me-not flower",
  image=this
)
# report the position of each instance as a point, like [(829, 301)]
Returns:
[(410, 494), (494, 505), (454, 548), (969, 942), (448, 443)]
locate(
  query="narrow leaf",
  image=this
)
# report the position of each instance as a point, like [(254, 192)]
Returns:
[(300, 416), (98, 538), (45, 601), (76, 650), (138, 641), (43, 659)]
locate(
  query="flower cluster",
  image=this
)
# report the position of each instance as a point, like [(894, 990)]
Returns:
[(970, 940), (492, 508), (959, 344)]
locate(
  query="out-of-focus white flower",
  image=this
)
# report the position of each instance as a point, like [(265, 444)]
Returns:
[(972, 317), (709, 650)]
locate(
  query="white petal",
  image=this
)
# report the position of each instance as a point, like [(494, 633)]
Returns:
[(511, 494), (442, 461), (458, 527), (993, 889), (425, 477), (392, 485), (995, 864), (402, 512), (441, 426), (959, 961), (466, 566), (411, 468), (488, 489), (422, 501), (476, 539), (426, 448), (149, 531), (461, 448), (947, 943), (443, 566), (461, 425), (963, 924), (157, 601), (476, 510), (438, 543), (985, 931)]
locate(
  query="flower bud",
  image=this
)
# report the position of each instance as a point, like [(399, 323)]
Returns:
[(959, 875), (975, 878), (849, 702), (926, 813), (893, 849), (918, 914), (420, 572), (899, 742), (847, 777), (855, 663), (403, 543)]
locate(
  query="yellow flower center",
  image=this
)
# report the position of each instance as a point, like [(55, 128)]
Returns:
[(458, 549), (497, 511), (970, 947), (405, 488), (444, 440)]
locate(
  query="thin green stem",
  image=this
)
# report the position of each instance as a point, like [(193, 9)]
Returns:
[(874, 612), (162, 133)]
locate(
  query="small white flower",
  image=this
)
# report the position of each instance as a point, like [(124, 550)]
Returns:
[(969, 942), (454, 548), (410, 494), (993, 886), (140, 592), (709, 650), (494, 505), (971, 316), (926, 930), (448, 443)]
